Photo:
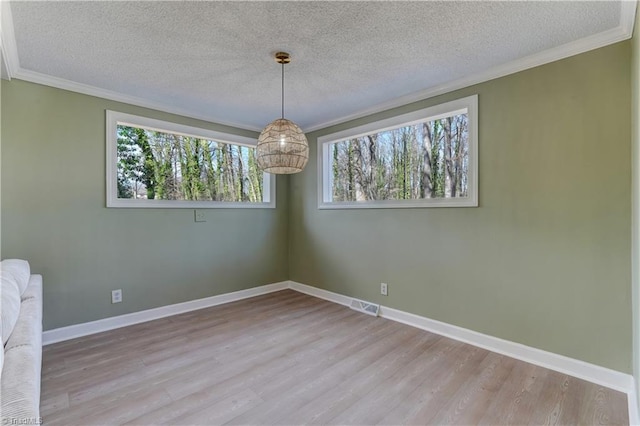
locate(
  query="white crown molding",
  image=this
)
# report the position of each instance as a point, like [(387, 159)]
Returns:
[(623, 32), (628, 16), (14, 70), (78, 330), (85, 89), (8, 46), (4, 70)]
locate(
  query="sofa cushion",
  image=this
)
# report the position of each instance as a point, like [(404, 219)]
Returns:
[(28, 329), (19, 269), (20, 385), (34, 289), (1, 363), (9, 305), (21, 370)]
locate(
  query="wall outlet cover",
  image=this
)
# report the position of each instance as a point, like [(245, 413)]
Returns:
[(116, 296), (198, 216)]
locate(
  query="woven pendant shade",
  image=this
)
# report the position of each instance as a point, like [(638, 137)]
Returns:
[(282, 148)]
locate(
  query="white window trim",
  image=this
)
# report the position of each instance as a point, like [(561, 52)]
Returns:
[(114, 118), (458, 106)]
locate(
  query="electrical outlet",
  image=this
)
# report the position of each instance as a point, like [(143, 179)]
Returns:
[(198, 216), (383, 289), (116, 296)]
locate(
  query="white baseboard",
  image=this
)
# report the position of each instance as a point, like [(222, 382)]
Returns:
[(583, 370), (87, 328), (573, 367), (632, 397), (320, 293)]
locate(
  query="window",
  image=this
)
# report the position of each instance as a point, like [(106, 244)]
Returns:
[(427, 158), (153, 163)]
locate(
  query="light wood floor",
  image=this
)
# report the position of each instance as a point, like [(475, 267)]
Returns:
[(288, 358)]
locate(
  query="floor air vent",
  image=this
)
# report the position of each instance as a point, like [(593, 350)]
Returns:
[(366, 307)]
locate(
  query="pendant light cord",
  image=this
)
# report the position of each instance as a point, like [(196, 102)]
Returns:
[(283, 89)]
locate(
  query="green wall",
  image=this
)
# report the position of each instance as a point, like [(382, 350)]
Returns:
[(545, 259), (54, 215)]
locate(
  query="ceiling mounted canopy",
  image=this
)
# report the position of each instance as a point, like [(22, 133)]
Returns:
[(282, 146)]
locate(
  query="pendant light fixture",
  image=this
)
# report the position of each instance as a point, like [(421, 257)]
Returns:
[(282, 147)]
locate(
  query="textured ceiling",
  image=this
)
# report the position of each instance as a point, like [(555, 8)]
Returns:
[(214, 59)]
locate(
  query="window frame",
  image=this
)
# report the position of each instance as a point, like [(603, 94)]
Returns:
[(468, 105), (115, 118)]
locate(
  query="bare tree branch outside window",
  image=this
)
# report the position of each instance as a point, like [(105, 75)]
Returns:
[(164, 166), (425, 160)]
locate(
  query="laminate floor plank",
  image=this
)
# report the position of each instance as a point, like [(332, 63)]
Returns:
[(194, 319), (596, 411), (343, 396), (225, 410), (144, 376), (245, 329), (117, 412), (471, 401), (264, 372), (435, 392), (289, 358), (293, 398), (388, 395), (518, 396)]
